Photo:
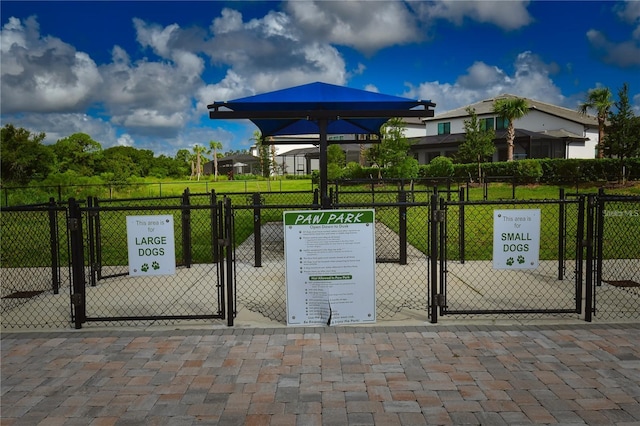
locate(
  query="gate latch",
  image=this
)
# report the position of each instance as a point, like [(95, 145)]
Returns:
[(224, 242), (440, 301), (72, 224), (76, 299), (438, 215)]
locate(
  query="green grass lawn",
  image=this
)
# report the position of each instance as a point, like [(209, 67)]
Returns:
[(25, 236)]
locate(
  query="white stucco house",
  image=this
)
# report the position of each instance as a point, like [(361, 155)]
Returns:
[(546, 131)]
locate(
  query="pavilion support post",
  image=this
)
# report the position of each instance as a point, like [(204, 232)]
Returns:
[(324, 195)]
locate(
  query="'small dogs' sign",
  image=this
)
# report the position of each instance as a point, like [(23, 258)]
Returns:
[(516, 239)]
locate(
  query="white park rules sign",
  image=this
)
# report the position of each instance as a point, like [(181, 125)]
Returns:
[(516, 239), (151, 245), (330, 267)]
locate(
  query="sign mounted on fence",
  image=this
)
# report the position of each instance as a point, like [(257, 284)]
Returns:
[(516, 239), (151, 245), (330, 267)]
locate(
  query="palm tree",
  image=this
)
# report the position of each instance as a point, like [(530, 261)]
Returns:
[(197, 168), (600, 100), (510, 109), (214, 146)]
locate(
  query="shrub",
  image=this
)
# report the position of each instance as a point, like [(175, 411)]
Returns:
[(528, 171), (440, 167)]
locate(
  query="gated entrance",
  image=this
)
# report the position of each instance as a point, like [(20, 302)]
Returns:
[(106, 290), (613, 283), (481, 270)]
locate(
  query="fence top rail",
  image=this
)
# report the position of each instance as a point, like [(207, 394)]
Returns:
[(275, 206), (164, 207), (509, 202), (619, 197), (34, 208), (126, 200), (245, 193)]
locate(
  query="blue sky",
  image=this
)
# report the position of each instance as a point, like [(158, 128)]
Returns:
[(141, 73)]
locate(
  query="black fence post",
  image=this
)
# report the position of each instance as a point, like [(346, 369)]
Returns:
[(579, 254), (316, 197), (230, 264), (461, 231), (257, 230), (591, 212), (562, 240), (402, 225), (53, 237), (186, 228), (213, 202), (599, 236), (513, 188), (221, 245), (433, 255), (78, 298), (91, 232), (98, 236)]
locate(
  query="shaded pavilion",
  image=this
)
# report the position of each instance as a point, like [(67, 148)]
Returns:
[(322, 109)]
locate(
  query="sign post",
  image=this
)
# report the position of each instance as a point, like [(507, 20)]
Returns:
[(516, 239), (151, 245), (330, 267)]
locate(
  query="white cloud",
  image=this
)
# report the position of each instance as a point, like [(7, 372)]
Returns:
[(43, 74), (624, 53), (268, 54), (367, 26), (508, 15), (530, 79), (125, 140)]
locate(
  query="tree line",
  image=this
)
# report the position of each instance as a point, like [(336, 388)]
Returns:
[(25, 158)]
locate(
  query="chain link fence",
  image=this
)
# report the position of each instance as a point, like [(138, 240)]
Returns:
[(39, 286), (193, 293), (400, 239), (617, 290), (474, 285), (35, 278)]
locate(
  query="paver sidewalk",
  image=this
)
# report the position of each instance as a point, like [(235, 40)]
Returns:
[(489, 375)]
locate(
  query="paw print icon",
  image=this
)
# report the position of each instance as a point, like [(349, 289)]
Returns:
[(510, 261), (521, 259), (144, 267), (155, 265)]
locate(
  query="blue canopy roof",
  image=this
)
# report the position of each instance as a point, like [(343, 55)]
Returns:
[(298, 110)]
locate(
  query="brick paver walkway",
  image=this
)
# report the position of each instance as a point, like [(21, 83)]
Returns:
[(489, 375)]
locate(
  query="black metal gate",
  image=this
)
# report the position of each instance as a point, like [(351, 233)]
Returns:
[(613, 280), (464, 279), (202, 286)]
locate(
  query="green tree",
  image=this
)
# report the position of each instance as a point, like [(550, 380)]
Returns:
[(510, 109), (214, 146), (24, 156), (600, 100), (478, 142), (263, 153), (77, 152), (392, 153), (335, 161), (622, 137)]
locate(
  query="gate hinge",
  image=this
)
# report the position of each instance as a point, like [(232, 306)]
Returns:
[(224, 242), (438, 215), (440, 301), (72, 224)]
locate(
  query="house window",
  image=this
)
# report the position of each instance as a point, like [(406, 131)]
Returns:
[(486, 124), (444, 128), (502, 123)]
